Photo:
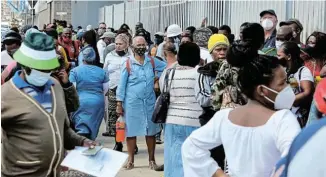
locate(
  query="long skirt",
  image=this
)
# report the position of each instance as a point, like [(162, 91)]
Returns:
[(174, 137), (112, 114)]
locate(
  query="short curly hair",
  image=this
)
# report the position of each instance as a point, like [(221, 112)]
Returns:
[(189, 54)]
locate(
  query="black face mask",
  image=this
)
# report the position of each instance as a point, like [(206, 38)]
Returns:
[(140, 51), (121, 53)]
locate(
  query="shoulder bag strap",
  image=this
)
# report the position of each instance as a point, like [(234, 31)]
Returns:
[(166, 81), (152, 63), (300, 71), (169, 86), (128, 67)]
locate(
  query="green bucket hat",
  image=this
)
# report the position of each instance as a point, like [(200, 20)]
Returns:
[(37, 52)]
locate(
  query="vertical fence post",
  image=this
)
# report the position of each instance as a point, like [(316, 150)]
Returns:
[(104, 14), (124, 11), (112, 16), (226, 19), (324, 15), (139, 11), (289, 9), (187, 19), (160, 26)]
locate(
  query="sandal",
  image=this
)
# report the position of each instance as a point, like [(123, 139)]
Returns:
[(152, 165), (129, 165)]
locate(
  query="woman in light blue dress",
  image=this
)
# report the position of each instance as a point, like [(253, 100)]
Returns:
[(136, 98), (91, 82)]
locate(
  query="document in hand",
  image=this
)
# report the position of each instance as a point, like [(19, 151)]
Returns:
[(106, 163)]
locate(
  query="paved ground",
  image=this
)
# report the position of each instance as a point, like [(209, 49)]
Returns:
[(141, 159)]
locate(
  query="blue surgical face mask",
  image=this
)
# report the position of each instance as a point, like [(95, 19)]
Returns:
[(37, 78)]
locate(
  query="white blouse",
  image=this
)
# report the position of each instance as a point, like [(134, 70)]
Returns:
[(250, 151)]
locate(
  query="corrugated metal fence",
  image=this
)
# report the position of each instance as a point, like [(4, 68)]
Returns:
[(156, 15)]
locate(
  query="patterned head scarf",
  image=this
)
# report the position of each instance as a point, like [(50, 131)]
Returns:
[(201, 36), (123, 37)]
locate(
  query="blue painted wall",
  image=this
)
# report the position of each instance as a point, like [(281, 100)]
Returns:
[(85, 13)]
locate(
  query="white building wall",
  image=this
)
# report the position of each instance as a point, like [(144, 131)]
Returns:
[(108, 19)]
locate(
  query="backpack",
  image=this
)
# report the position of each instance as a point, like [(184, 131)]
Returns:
[(128, 64)]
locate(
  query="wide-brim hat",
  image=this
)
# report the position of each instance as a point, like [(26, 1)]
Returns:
[(37, 52)]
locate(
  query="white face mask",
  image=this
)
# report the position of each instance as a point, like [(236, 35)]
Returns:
[(37, 78), (284, 99), (267, 24), (278, 44)]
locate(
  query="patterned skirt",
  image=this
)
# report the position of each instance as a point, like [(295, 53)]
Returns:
[(112, 114)]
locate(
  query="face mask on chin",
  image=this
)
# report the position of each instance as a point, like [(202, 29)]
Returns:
[(121, 53), (284, 99), (37, 78)]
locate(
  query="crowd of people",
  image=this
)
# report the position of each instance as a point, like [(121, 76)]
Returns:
[(236, 106)]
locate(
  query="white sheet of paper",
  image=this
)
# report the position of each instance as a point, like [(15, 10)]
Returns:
[(106, 163)]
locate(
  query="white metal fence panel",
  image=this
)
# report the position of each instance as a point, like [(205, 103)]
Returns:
[(119, 15), (248, 11), (196, 12), (311, 15), (108, 16), (132, 14), (101, 15), (216, 13), (156, 15), (173, 12), (150, 16)]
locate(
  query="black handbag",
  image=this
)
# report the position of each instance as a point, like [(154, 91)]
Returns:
[(163, 101)]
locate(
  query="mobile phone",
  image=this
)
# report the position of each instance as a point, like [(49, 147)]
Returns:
[(92, 151)]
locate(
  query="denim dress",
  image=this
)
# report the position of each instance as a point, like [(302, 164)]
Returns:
[(136, 92)]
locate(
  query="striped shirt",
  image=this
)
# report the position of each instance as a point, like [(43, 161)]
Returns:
[(43, 97), (184, 108)]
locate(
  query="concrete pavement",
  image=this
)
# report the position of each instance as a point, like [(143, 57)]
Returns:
[(141, 159)]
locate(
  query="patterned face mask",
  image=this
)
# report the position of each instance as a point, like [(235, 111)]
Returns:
[(140, 51)]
